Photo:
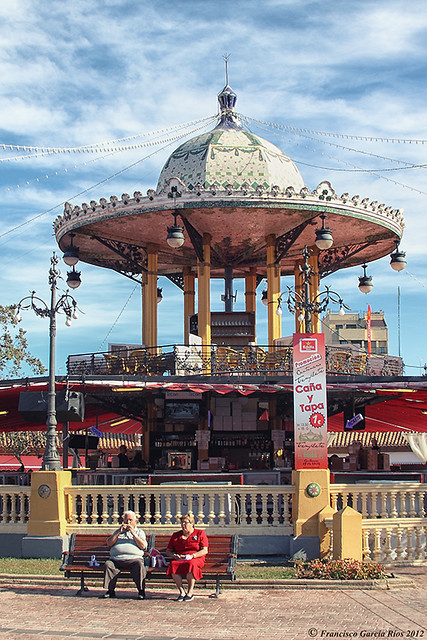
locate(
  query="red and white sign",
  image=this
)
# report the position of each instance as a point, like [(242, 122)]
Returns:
[(310, 407), (368, 330)]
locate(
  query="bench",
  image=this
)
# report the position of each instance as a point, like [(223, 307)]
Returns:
[(220, 561)]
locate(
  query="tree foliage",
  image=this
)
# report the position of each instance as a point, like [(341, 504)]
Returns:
[(21, 443), (14, 353)]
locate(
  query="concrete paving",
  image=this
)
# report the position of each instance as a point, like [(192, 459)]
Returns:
[(54, 613)]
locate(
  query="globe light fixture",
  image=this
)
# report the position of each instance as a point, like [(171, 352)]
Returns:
[(73, 279), (365, 282), (264, 297), (159, 295), (324, 239), (398, 259), (71, 253), (175, 237)]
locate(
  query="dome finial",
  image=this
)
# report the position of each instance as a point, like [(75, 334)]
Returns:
[(227, 100)]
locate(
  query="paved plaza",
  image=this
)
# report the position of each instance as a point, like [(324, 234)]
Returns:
[(53, 613)]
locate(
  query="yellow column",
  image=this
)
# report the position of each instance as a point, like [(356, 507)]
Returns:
[(273, 287), (347, 537), (144, 307), (49, 509), (250, 290), (307, 503), (189, 300), (204, 292), (149, 329)]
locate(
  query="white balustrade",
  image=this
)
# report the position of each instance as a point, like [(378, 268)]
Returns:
[(161, 507), (391, 542), (382, 500), (14, 506)]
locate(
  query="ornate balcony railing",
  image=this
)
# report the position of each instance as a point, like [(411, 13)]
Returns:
[(219, 360)]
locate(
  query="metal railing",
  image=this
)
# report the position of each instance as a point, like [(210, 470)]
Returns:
[(219, 360)]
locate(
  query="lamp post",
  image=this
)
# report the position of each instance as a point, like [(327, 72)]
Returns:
[(66, 304), (301, 302)]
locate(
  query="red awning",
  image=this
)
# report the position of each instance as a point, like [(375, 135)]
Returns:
[(405, 411), (11, 420), (8, 462)]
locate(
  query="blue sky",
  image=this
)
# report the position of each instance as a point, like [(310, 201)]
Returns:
[(91, 71)]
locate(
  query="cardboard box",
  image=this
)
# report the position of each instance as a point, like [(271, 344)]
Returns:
[(218, 424), (227, 422), (222, 411), (384, 461)]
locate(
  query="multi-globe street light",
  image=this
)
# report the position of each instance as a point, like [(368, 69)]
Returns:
[(65, 304)]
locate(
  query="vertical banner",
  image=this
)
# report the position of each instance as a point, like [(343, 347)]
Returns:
[(310, 407), (368, 330)]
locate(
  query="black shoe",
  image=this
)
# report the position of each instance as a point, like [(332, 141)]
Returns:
[(109, 594), (180, 598), (187, 598), (141, 595)]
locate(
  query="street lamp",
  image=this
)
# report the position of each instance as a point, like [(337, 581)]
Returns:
[(301, 302), (67, 305)]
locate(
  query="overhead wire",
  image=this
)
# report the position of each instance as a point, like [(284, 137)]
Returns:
[(100, 182)]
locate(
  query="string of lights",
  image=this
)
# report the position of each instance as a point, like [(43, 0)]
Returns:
[(341, 135), (35, 151), (373, 172)]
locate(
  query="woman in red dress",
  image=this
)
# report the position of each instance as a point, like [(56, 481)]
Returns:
[(187, 551)]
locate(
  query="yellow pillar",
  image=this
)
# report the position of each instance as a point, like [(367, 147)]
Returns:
[(204, 292), (325, 517), (49, 509), (250, 290), (149, 328), (347, 537), (189, 300), (311, 496), (273, 287)]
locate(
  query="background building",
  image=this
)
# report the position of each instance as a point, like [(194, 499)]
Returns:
[(352, 328)]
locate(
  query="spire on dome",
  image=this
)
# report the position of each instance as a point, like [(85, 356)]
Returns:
[(227, 100)]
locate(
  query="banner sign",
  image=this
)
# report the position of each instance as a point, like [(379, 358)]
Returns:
[(368, 330), (310, 407)]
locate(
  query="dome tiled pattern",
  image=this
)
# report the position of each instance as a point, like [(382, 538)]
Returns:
[(230, 157)]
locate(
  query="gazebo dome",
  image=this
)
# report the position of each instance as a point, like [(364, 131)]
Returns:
[(229, 155)]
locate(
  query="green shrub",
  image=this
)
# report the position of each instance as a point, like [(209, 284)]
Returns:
[(339, 570)]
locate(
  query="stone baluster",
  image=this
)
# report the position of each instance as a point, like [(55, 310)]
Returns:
[(393, 504), (147, 512), (383, 503), (221, 515), (399, 550), (168, 512), (211, 509), (409, 544), (364, 502), (419, 552), (157, 509), (412, 509), (200, 513), (387, 547), (275, 513), (377, 546), (366, 550)]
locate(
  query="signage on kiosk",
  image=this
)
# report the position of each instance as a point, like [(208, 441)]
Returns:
[(310, 407)]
